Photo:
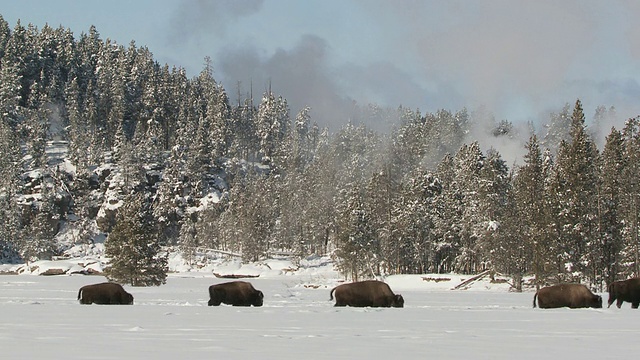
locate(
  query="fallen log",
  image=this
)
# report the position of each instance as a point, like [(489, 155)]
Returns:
[(472, 279), (234, 276)]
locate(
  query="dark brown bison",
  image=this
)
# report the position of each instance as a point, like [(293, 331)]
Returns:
[(236, 293), (366, 293), (107, 293), (626, 290), (567, 295)]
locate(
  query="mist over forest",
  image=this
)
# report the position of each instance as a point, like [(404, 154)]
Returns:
[(101, 141)]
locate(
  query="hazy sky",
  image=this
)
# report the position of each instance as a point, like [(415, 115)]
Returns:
[(519, 59)]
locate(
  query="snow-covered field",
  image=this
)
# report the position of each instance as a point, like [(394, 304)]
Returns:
[(41, 319)]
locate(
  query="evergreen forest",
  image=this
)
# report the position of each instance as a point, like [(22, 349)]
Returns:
[(155, 161)]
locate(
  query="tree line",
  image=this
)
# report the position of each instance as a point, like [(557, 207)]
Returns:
[(162, 160)]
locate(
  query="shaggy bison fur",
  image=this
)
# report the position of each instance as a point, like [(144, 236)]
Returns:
[(107, 293), (567, 295), (236, 293), (625, 290), (371, 293)]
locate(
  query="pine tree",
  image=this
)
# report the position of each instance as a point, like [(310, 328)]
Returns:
[(468, 163), (577, 175), (496, 208), (320, 216), (188, 241), (245, 143), (272, 124), (79, 137), (218, 115), (133, 249), (630, 200), (5, 34), (172, 192), (412, 224), (36, 126), (10, 88), (380, 192), (10, 227), (447, 210), (558, 129), (39, 243), (506, 243), (529, 197), (357, 252), (609, 205)]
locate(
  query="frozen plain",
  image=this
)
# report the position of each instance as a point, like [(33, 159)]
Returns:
[(41, 319)]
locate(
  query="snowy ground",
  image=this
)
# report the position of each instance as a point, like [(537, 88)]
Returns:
[(40, 318)]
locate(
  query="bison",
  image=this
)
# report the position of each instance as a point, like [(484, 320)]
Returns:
[(625, 290), (107, 293), (567, 295), (371, 293), (236, 293)]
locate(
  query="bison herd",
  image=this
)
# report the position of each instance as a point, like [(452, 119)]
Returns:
[(373, 293)]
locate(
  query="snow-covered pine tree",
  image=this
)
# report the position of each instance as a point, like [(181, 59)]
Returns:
[(245, 143), (10, 227), (357, 247), (320, 215), (577, 174), (380, 200), (447, 209), (77, 131), (494, 199), (39, 243), (36, 126), (10, 88), (133, 248), (412, 228), (290, 230), (529, 197), (610, 224), (5, 34), (219, 115), (468, 163), (188, 240), (170, 200), (505, 244), (272, 125), (557, 130), (630, 201)]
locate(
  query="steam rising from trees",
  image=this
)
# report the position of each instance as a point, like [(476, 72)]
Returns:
[(519, 60)]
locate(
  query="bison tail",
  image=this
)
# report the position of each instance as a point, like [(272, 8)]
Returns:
[(331, 293), (534, 299)]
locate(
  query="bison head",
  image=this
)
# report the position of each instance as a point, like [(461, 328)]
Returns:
[(398, 301), (259, 299), (597, 302), (128, 299)]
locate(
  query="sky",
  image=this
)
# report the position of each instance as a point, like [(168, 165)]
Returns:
[(520, 60)]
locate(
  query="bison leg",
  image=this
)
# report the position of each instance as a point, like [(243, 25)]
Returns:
[(619, 303), (635, 305)]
